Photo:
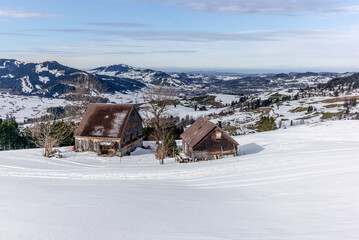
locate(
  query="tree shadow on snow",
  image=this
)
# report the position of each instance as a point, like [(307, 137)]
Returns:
[(251, 148)]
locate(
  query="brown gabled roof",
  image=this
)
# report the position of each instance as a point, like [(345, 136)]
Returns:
[(104, 120), (197, 131)]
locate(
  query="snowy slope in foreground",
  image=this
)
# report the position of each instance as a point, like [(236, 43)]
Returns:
[(298, 183)]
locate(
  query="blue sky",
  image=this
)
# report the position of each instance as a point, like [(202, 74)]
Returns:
[(246, 36)]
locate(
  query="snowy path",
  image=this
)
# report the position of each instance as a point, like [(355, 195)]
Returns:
[(299, 183)]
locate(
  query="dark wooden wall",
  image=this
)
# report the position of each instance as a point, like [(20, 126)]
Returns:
[(211, 144), (133, 129)]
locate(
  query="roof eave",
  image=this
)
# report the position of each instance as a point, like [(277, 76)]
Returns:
[(98, 137)]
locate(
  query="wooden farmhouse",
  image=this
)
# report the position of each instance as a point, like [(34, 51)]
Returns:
[(110, 129), (204, 140)]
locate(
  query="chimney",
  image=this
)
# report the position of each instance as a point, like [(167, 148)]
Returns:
[(219, 124)]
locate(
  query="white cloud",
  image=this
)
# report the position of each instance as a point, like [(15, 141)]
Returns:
[(292, 50), (267, 7), (9, 13), (18, 34), (255, 36), (120, 24)]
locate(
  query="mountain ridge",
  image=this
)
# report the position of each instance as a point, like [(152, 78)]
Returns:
[(146, 76), (52, 79)]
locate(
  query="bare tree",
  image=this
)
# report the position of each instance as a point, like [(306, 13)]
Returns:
[(159, 100), (85, 90), (48, 133)]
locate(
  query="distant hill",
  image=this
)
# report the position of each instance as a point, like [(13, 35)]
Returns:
[(146, 76), (51, 79), (351, 80)]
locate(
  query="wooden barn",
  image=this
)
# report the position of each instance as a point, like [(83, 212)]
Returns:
[(110, 129), (204, 140)]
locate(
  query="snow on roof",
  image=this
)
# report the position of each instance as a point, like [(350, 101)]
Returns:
[(117, 122), (98, 131), (104, 120)]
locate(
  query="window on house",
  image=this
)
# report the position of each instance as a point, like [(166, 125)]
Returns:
[(218, 135)]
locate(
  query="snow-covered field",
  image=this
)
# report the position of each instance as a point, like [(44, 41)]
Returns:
[(23, 107), (297, 183)]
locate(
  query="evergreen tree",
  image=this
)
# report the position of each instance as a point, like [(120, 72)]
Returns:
[(59, 128), (347, 111), (353, 102), (10, 137), (346, 103), (266, 124), (310, 109), (147, 132), (170, 145)]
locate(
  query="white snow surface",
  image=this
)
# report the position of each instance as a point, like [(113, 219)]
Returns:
[(225, 98), (18, 63), (98, 131), (297, 183), (41, 68), (57, 72), (117, 124), (8, 75), (26, 84), (44, 79), (23, 107)]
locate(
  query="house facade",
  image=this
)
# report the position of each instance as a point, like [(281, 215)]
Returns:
[(110, 129), (204, 140)]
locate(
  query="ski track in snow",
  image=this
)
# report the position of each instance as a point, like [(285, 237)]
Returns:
[(298, 183), (229, 168)]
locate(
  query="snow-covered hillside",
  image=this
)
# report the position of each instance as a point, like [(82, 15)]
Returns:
[(146, 76), (298, 183), (24, 107), (51, 79), (43, 79)]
